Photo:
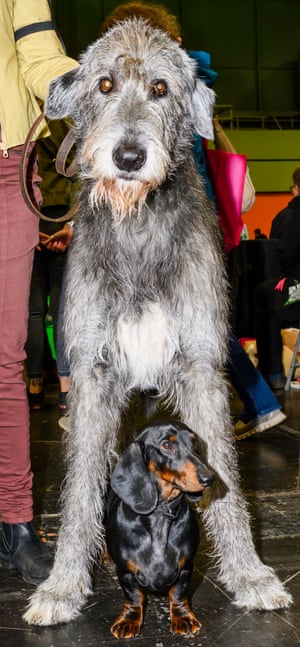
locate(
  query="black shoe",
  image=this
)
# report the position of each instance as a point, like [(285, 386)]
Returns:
[(277, 384), (36, 400), (62, 402), (21, 548)]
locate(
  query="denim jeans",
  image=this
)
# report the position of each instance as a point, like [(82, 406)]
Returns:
[(63, 366), (253, 390)]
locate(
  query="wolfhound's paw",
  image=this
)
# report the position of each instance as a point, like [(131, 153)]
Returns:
[(265, 594), (48, 608)]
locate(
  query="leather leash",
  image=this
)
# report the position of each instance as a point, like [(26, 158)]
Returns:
[(62, 156), (60, 167)]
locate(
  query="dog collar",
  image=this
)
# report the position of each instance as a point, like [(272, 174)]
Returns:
[(170, 508)]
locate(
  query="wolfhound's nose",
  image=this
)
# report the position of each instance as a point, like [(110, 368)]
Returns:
[(129, 157)]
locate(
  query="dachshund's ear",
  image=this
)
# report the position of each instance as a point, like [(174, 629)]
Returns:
[(133, 483)]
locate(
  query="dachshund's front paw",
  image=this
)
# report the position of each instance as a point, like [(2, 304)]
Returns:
[(183, 620), (128, 624)]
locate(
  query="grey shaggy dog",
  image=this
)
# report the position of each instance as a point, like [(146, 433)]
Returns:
[(146, 301)]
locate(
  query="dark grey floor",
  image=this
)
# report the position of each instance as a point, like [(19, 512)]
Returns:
[(270, 474)]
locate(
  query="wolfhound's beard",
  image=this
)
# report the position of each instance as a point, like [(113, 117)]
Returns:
[(125, 198)]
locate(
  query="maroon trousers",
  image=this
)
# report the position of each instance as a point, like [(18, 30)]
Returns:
[(18, 237)]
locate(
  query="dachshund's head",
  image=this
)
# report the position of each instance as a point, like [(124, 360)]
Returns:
[(161, 463)]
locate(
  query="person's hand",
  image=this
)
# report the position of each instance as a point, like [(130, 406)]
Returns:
[(60, 241), (43, 240)]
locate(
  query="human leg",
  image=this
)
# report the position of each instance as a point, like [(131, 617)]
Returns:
[(63, 367), (268, 334), (252, 389), (35, 344), (56, 265), (19, 233), (18, 237), (262, 410)]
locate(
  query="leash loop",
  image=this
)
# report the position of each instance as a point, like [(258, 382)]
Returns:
[(28, 199)]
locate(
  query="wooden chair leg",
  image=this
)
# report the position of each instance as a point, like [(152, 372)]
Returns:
[(294, 364)]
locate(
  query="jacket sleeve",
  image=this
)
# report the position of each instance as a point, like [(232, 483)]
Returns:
[(289, 243), (40, 53)]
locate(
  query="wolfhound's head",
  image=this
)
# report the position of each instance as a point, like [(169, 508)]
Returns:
[(135, 103)]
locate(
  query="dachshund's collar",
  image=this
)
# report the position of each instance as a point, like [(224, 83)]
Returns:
[(170, 508)]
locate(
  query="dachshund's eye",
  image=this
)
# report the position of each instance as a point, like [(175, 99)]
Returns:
[(168, 445), (158, 88), (105, 85)]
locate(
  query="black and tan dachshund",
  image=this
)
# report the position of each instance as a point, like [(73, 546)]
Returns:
[(152, 532)]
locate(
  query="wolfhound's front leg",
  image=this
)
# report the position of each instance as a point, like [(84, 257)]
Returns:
[(94, 422), (203, 403)]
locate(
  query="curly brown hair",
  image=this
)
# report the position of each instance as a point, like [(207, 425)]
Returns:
[(157, 15)]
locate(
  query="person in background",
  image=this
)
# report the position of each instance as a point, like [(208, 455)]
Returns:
[(258, 234), (278, 222), (31, 55), (48, 264), (270, 296)]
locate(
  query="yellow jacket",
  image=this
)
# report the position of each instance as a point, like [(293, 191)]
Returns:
[(27, 65)]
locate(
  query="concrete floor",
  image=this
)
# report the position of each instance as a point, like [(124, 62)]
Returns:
[(270, 474)]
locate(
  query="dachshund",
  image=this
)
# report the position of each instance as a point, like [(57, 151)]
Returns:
[(152, 533)]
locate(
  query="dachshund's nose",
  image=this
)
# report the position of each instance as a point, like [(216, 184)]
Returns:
[(207, 479)]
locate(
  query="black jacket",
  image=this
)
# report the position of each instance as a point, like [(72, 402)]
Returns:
[(286, 227)]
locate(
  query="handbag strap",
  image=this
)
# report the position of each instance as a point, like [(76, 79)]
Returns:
[(222, 141), (31, 204)]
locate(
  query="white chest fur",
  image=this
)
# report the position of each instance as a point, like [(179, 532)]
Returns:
[(147, 344)]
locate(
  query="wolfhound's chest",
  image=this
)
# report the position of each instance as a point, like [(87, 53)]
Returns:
[(147, 343)]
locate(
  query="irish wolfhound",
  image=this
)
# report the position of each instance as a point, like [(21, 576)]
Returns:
[(147, 300)]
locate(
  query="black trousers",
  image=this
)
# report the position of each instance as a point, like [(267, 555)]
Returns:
[(270, 318), (268, 329), (47, 273)]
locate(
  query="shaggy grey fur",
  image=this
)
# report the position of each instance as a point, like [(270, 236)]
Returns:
[(147, 301)]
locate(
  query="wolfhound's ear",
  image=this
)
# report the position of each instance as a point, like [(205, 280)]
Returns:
[(63, 95), (203, 101), (133, 483)]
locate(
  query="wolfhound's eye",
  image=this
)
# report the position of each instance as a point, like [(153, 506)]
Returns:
[(158, 88), (105, 85)]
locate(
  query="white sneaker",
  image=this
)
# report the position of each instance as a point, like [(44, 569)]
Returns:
[(256, 426), (64, 423)]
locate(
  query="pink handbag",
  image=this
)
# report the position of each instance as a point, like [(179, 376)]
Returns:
[(227, 173)]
